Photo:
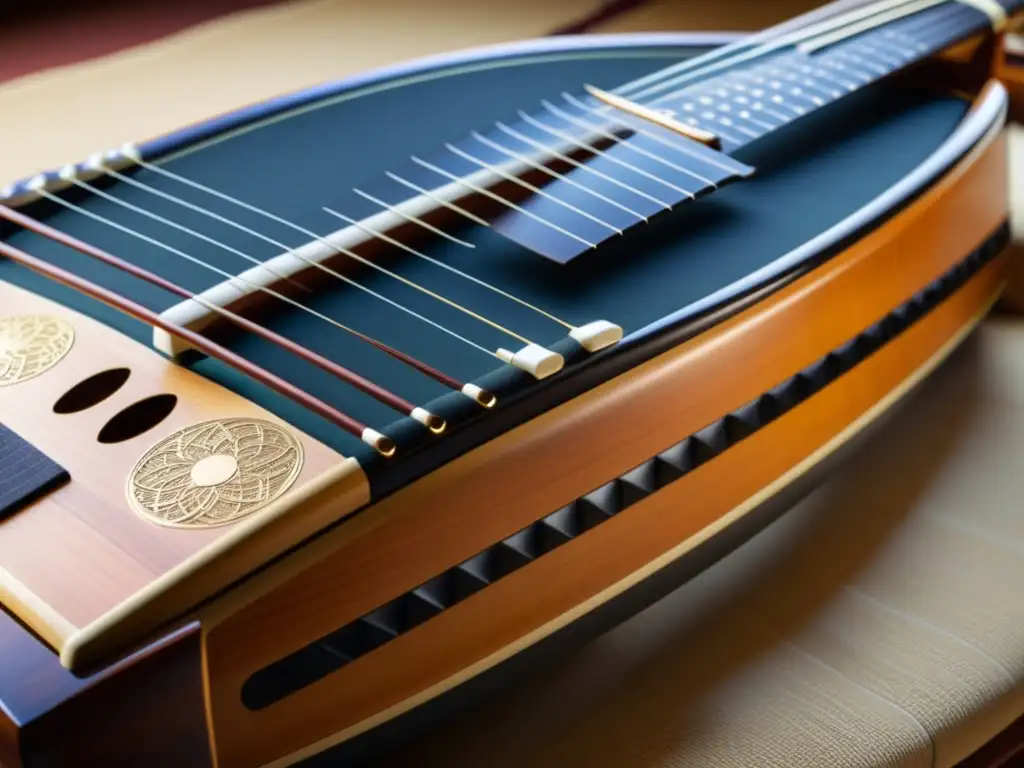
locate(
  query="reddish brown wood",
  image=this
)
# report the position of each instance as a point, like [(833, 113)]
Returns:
[(201, 343), (1011, 74), (148, 709), (351, 377)]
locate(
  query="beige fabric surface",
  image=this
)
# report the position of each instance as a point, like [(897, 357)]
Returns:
[(63, 115), (879, 623)]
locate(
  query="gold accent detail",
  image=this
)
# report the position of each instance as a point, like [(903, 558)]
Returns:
[(31, 345), (214, 473), (664, 119)]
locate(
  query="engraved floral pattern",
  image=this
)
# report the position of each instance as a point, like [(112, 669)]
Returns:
[(163, 490), (31, 345)]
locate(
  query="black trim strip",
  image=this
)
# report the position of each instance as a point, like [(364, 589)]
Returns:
[(358, 638)]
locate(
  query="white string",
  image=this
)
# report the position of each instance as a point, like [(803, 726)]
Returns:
[(196, 208), (554, 174), (583, 166), (601, 153), (454, 270), (639, 127), (487, 193), (369, 231), (440, 201), (340, 250), (413, 219), (180, 227), (579, 123), (687, 71), (270, 291), (232, 278), (526, 185)]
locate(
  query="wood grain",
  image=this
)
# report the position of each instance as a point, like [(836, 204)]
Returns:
[(147, 710), (80, 552), (1010, 72), (480, 498), (522, 608)]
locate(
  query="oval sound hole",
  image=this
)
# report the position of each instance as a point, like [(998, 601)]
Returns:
[(91, 391), (137, 418)]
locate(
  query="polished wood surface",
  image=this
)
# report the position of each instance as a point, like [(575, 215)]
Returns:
[(49, 717), (81, 552), (566, 453), (522, 608), (1011, 73)]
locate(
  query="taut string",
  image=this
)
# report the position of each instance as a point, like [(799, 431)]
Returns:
[(510, 153), (583, 166), (526, 185), (418, 221), (462, 181), (408, 249), (575, 120), (640, 128), (763, 43), (559, 134), (371, 232), (344, 252), (383, 444), (435, 423)]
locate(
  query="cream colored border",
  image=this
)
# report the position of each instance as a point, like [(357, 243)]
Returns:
[(304, 508), (826, 450), (34, 611)]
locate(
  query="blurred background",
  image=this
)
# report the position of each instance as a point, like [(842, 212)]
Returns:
[(79, 75)]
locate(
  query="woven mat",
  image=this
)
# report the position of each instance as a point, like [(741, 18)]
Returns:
[(198, 67)]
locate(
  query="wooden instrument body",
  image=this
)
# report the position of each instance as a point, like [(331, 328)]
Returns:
[(859, 297)]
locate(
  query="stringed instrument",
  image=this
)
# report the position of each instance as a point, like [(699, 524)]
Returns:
[(325, 414)]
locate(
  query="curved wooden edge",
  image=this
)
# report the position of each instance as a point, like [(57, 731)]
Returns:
[(248, 545), (81, 551), (398, 544), (524, 608), (34, 611), (894, 261)]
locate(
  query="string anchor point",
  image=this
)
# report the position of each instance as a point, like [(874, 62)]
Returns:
[(382, 444), (534, 359), (479, 395), (128, 152), (431, 421), (597, 335), (37, 183)]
